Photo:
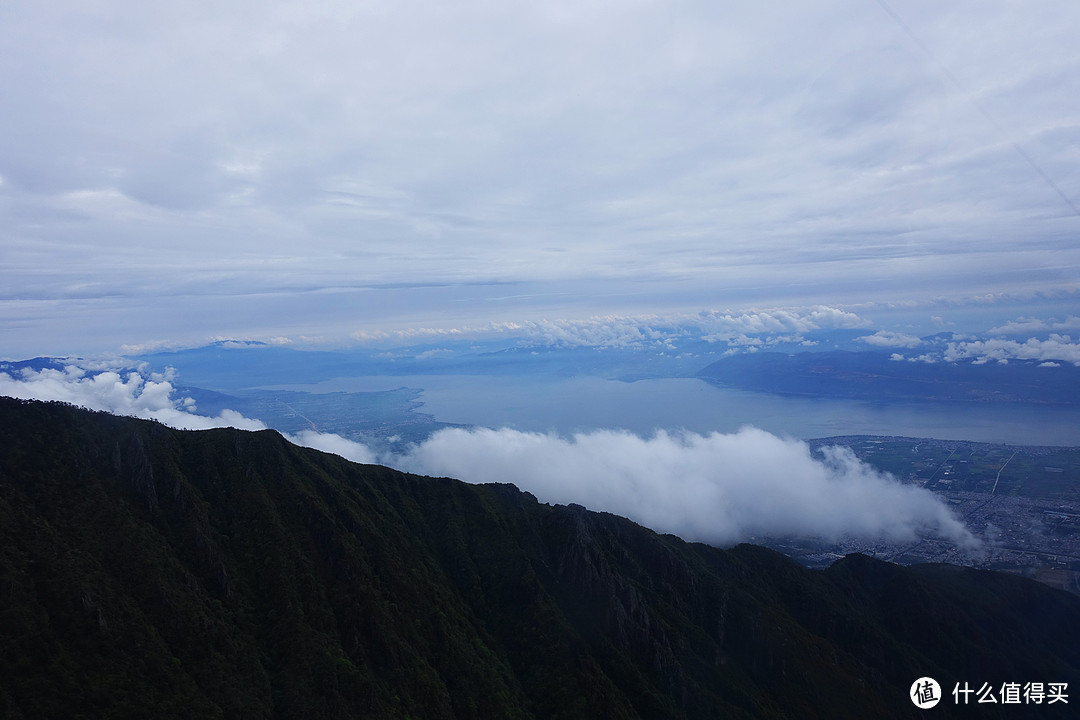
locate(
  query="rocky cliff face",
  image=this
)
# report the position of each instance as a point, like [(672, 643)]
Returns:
[(146, 572)]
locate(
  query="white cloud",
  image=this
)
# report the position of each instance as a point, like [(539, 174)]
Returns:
[(1029, 326), (744, 341), (940, 322), (886, 338), (1056, 347), (104, 385), (603, 332), (728, 326), (121, 391), (411, 334), (716, 488), (653, 330), (333, 443)]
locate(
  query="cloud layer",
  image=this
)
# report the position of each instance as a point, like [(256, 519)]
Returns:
[(1055, 347), (652, 330), (1051, 349), (716, 488), (885, 338), (121, 391)]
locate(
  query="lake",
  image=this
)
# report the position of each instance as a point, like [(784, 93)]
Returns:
[(587, 403)]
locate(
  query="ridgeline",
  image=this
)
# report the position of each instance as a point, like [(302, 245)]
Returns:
[(149, 572)]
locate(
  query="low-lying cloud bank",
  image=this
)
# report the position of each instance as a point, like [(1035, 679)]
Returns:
[(334, 443), (643, 331), (1051, 350), (1056, 347), (136, 392), (118, 390), (718, 488)]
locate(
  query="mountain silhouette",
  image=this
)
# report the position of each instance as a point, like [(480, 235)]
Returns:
[(151, 572)]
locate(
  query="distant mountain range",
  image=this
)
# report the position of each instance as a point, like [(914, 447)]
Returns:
[(148, 572), (875, 376)]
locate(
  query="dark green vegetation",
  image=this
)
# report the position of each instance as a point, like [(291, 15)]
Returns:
[(147, 572), (874, 376)]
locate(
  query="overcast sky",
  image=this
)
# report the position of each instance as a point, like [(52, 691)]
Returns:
[(180, 171)]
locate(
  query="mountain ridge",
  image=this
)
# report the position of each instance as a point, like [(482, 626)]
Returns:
[(225, 573)]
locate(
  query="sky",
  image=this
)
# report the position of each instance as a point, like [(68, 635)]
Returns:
[(321, 172)]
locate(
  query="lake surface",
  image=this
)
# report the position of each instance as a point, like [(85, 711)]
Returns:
[(587, 403)]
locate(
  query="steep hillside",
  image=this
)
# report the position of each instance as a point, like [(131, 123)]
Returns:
[(147, 572)]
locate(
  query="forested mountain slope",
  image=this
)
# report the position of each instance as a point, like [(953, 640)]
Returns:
[(149, 572)]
